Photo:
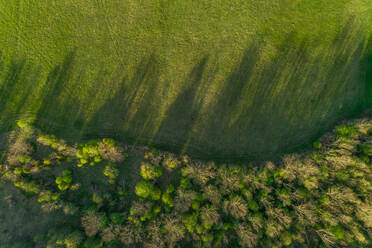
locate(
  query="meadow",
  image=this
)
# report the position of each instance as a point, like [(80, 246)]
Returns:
[(214, 79)]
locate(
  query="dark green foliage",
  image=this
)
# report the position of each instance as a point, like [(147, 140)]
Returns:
[(93, 242)]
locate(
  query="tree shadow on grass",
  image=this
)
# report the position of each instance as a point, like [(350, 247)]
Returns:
[(133, 107), (264, 108), (367, 62), (18, 84), (181, 116), (59, 108), (294, 98)]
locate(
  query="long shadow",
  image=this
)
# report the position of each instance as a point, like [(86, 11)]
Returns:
[(368, 68), (294, 99), (18, 83), (263, 108), (59, 107), (180, 117), (133, 107)]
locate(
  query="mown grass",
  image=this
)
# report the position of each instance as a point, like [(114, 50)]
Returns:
[(214, 79)]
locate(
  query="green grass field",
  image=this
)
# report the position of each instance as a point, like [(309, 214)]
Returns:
[(215, 79)]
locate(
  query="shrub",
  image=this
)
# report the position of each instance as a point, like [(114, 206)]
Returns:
[(88, 153), (171, 163), (286, 238), (190, 221), (64, 181), (74, 239), (93, 242), (110, 152), (70, 208), (149, 172), (145, 189), (236, 207), (111, 172), (337, 231), (174, 230), (167, 199), (209, 216), (108, 234), (317, 145), (346, 131), (246, 237), (130, 234), (212, 194), (252, 205), (93, 222), (116, 218)]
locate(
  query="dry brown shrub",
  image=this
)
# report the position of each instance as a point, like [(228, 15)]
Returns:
[(113, 154), (92, 223), (256, 222), (109, 234), (184, 200), (236, 207), (228, 183), (306, 214), (130, 234), (327, 237), (246, 238), (154, 236), (17, 145), (209, 215), (364, 213), (174, 230), (212, 194), (140, 208), (200, 173)]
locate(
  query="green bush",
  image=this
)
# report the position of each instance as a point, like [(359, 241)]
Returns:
[(116, 218), (149, 172), (346, 131), (145, 189), (64, 181), (74, 239), (317, 145), (93, 242), (111, 172)]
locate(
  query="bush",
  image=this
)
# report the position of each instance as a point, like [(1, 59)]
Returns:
[(190, 221), (74, 239), (317, 145), (145, 189), (346, 131), (236, 207), (93, 242), (116, 218), (209, 216), (64, 181), (93, 222), (149, 172), (111, 172)]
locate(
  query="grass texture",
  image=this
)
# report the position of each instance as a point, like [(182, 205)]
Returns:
[(215, 79)]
